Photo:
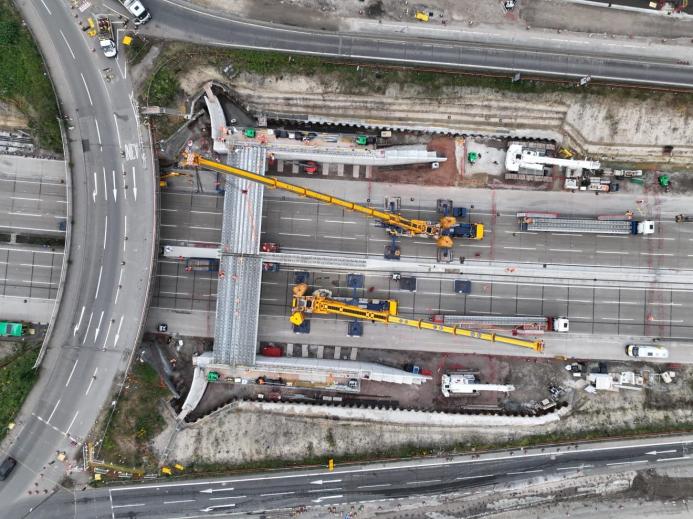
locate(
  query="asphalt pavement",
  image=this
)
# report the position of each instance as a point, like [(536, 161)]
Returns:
[(176, 19), (112, 195), (254, 494)]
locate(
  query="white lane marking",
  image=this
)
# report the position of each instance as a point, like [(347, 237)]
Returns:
[(115, 187), (93, 378), (19, 213), (320, 499), (49, 12), (71, 373), (115, 119), (613, 236), (279, 494), (617, 319), (126, 506), (564, 234), (524, 472), (655, 452), (96, 189), (27, 199), (212, 508), (87, 89), (423, 482), (226, 497), (120, 280), (576, 467), (197, 212), (117, 335), (476, 477), (105, 232), (565, 250), (86, 332), (656, 254), (626, 463), (65, 40), (323, 482), (134, 182), (612, 252), (108, 332), (339, 237), (204, 228), (519, 248), (340, 221), (212, 490), (67, 432), (291, 234), (54, 409), (79, 323), (98, 284), (333, 489), (105, 186), (98, 326), (98, 132), (673, 459), (381, 485), (179, 501), (295, 219)]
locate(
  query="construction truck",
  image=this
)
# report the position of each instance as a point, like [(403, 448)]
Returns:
[(682, 218), (136, 9), (202, 264), (535, 325), (467, 384), (321, 302), (395, 224), (608, 224), (106, 38)]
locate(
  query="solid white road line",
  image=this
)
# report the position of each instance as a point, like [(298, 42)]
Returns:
[(115, 119), (98, 283), (105, 232), (49, 12), (115, 187), (56, 407), (71, 373), (179, 501), (98, 326), (87, 89), (576, 467), (134, 183), (126, 506), (91, 381), (95, 190), (423, 482), (108, 332), (626, 463), (67, 432), (105, 186), (86, 332), (98, 133), (79, 323), (524, 472), (476, 477), (278, 494), (65, 40), (375, 486), (117, 335)]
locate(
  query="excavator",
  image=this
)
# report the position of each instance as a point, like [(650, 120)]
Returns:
[(321, 302), (395, 224)]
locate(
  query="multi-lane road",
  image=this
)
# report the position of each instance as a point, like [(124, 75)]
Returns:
[(467, 475), (180, 20), (111, 196)]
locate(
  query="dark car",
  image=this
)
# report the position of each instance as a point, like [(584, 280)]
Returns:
[(7, 467), (310, 136), (281, 134)]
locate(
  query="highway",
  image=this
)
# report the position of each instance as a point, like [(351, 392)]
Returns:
[(111, 198), (351, 484), (176, 19)]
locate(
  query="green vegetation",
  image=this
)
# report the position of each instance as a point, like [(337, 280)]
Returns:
[(136, 419), (137, 49), (163, 87), (17, 376), (24, 81)]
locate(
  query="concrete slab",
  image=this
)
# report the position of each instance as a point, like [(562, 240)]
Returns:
[(354, 353), (340, 170), (304, 350), (337, 351), (33, 310), (35, 169), (321, 351), (280, 166), (182, 322), (289, 350)]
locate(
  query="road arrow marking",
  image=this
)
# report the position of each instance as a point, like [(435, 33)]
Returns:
[(212, 490), (79, 323), (212, 508), (115, 191), (321, 482), (98, 327), (134, 183), (117, 335), (321, 499), (654, 453)]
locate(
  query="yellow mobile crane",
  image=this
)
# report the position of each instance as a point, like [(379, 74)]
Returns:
[(395, 223), (320, 303)]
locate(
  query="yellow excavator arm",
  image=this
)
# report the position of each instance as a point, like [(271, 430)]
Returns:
[(302, 304), (404, 226)]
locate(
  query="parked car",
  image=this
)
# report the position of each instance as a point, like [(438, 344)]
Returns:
[(654, 352), (7, 467)]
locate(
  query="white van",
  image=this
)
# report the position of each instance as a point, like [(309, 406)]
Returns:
[(654, 352)]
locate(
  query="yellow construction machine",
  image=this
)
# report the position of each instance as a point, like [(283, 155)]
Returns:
[(395, 223), (320, 302)]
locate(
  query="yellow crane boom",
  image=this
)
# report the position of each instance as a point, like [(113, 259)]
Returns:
[(317, 304), (401, 225)]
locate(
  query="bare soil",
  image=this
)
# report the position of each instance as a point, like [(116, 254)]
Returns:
[(446, 175)]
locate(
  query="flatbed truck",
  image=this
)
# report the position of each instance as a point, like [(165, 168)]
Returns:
[(530, 323), (554, 222), (202, 264)]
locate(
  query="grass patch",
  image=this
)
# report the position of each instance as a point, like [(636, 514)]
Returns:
[(24, 81), (136, 420), (164, 87), (17, 377), (137, 49)]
